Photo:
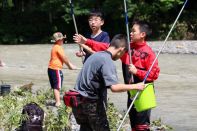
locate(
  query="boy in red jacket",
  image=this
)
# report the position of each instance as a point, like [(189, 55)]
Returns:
[(142, 59)]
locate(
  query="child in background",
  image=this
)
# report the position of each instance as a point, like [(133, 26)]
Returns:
[(55, 65), (96, 21)]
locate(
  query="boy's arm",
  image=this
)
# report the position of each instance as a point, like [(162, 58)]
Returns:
[(94, 45), (66, 60), (68, 63), (80, 40), (154, 73), (127, 87), (87, 48)]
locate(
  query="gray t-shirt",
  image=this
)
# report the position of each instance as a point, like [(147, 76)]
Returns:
[(97, 74)]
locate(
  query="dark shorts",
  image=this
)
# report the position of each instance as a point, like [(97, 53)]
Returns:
[(55, 78), (91, 116)]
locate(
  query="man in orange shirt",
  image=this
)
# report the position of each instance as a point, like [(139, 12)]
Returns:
[(56, 62)]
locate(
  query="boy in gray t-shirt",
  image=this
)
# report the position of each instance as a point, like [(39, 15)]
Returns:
[(98, 74)]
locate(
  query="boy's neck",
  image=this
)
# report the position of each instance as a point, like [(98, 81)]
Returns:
[(140, 42), (59, 43), (97, 32)]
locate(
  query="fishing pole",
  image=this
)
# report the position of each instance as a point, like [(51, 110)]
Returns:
[(127, 29), (128, 36), (153, 62), (79, 68), (74, 22), (73, 16)]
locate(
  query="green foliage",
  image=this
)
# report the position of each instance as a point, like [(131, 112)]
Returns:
[(55, 119), (58, 122), (113, 116), (35, 21), (157, 125), (11, 108)]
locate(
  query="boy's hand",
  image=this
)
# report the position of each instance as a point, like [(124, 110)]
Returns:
[(75, 68), (132, 69), (72, 67), (80, 54), (79, 39), (140, 86)]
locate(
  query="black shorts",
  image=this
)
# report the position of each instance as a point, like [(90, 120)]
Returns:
[(55, 78)]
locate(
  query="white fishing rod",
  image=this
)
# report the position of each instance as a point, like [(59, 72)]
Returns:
[(73, 16), (127, 29), (75, 25), (128, 34), (153, 63)]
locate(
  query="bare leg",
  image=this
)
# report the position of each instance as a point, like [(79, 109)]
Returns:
[(57, 97)]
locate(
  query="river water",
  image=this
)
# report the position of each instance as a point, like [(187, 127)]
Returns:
[(176, 90)]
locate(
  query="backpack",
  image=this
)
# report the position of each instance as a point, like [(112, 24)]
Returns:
[(35, 116)]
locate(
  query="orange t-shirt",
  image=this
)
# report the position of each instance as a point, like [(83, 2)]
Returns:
[(57, 53)]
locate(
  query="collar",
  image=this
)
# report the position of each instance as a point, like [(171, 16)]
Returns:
[(138, 45), (108, 53), (97, 34)]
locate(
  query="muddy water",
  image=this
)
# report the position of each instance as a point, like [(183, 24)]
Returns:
[(176, 90)]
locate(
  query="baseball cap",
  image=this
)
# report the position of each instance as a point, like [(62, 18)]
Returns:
[(58, 36)]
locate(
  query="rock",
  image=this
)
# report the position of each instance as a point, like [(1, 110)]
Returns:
[(74, 125), (175, 47), (27, 87)]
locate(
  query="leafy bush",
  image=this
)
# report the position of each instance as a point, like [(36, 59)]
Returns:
[(55, 119), (157, 125), (114, 117), (11, 110)]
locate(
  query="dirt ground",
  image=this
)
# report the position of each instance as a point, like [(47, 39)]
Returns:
[(176, 90)]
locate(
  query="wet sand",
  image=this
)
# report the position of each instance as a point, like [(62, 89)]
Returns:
[(176, 90)]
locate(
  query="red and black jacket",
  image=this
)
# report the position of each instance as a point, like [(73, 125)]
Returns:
[(142, 59)]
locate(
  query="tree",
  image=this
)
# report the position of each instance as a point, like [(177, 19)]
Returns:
[(33, 21)]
